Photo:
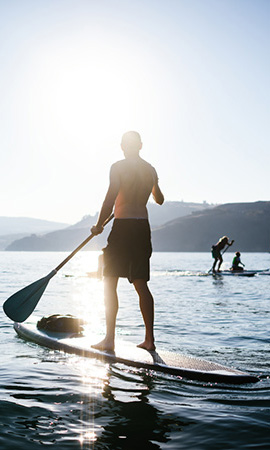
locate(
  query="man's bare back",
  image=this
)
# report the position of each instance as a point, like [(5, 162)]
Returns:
[(132, 180), (136, 179)]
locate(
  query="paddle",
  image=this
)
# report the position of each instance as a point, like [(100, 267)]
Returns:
[(210, 270), (20, 305)]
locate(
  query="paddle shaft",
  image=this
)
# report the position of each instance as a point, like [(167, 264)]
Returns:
[(225, 249), (81, 246)]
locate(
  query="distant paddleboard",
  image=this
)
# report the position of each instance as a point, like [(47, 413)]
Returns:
[(243, 273), (189, 273), (127, 353)]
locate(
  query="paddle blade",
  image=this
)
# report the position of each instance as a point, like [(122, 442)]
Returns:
[(20, 305)]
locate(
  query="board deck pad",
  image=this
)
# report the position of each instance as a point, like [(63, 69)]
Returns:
[(127, 353)]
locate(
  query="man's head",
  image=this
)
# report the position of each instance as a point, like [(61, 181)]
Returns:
[(131, 143)]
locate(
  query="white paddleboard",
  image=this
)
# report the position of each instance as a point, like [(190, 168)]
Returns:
[(127, 353)]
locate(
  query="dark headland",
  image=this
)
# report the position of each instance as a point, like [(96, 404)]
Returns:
[(178, 227)]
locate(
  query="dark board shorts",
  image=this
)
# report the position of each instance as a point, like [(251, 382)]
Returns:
[(129, 250), (216, 252)]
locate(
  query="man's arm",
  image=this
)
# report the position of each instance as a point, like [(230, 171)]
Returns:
[(156, 192), (109, 201)]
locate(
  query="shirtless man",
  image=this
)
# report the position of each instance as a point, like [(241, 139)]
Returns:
[(128, 252)]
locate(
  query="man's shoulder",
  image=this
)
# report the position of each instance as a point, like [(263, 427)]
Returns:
[(117, 164), (145, 162), (146, 165), (126, 162)]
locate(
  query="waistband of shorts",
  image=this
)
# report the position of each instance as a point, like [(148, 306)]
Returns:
[(131, 218)]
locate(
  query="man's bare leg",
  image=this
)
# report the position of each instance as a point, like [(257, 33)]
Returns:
[(111, 309), (147, 310), (220, 262)]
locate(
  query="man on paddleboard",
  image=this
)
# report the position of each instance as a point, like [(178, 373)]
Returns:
[(129, 248), (216, 251)]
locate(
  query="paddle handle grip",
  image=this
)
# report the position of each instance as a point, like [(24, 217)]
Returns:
[(80, 246)]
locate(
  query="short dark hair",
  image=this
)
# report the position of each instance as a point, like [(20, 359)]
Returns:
[(131, 140)]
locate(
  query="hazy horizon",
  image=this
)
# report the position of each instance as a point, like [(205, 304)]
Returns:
[(95, 213), (85, 215), (191, 76)]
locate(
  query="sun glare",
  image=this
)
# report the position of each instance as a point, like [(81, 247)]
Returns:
[(87, 90), (77, 100), (86, 293)]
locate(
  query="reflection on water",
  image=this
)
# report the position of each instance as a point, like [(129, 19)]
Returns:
[(131, 419), (134, 419), (110, 408), (52, 399)]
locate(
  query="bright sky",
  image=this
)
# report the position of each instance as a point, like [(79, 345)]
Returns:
[(192, 76)]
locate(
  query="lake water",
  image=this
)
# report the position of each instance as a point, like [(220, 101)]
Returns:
[(53, 399)]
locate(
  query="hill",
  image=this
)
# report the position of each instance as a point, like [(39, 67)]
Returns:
[(246, 223), (68, 238), (14, 228), (26, 225), (172, 210), (157, 215)]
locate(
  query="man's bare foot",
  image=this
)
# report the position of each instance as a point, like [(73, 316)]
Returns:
[(105, 345), (150, 346)]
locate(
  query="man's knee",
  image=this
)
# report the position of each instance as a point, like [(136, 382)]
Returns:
[(110, 284), (140, 285)]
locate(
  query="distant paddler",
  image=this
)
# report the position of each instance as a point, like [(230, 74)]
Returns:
[(236, 261), (216, 251)]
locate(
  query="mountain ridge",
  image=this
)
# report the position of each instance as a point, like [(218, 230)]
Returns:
[(67, 239), (21, 225), (197, 231), (15, 228), (246, 223)]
